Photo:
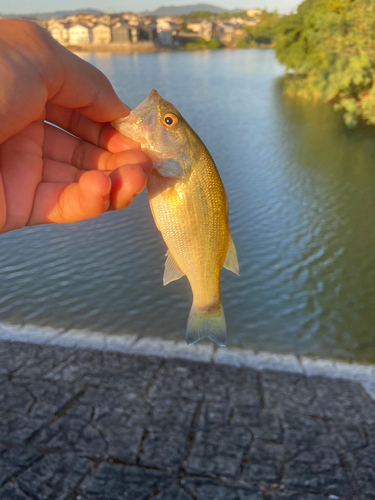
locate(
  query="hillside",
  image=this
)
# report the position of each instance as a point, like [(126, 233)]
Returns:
[(174, 10)]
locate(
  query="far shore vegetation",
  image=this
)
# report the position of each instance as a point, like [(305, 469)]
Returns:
[(328, 49)]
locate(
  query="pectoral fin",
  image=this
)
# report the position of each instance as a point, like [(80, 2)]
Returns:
[(171, 270), (231, 261)]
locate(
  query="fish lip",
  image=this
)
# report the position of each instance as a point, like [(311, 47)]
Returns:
[(136, 122)]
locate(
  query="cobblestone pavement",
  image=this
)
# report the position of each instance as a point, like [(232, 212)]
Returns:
[(92, 425)]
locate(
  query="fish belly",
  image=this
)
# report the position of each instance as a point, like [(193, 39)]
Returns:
[(193, 219)]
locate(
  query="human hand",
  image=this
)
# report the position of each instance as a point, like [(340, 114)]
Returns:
[(48, 174)]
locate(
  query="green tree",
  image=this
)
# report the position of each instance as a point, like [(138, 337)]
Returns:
[(330, 45)]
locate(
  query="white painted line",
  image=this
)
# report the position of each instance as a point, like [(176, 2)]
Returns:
[(131, 344)]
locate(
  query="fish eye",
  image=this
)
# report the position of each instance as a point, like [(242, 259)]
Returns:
[(170, 120)]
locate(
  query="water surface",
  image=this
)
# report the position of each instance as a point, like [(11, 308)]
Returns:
[(301, 191)]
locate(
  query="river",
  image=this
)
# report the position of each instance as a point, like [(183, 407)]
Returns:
[(301, 190)]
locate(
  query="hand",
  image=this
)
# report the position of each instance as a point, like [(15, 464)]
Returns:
[(48, 174)]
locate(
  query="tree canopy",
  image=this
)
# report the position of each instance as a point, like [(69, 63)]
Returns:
[(330, 46)]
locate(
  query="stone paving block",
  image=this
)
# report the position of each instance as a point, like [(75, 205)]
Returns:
[(287, 494), (362, 470), (206, 489), (14, 354), (346, 436), (123, 439), (120, 482), (17, 429), (40, 363), (219, 451), (15, 398), (287, 392), (11, 492), (62, 435), (54, 477), (242, 386), (214, 414), (344, 400), (175, 492), (176, 381), (134, 376), (67, 372), (106, 398), (124, 444), (53, 395), (262, 424), (7, 470), (91, 443), (318, 470), (303, 433), (171, 416), (163, 450), (263, 462), (15, 460)]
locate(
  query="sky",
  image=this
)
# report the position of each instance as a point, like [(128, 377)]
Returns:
[(35, 6)]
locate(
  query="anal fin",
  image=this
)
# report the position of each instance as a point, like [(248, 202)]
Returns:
[(171, 271), (231, 260)]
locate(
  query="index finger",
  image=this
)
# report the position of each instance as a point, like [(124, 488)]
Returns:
[(36, 69)]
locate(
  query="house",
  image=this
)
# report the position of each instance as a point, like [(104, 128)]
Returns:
[(147, 33), (165, 30), (101, 34), (123, 32), (202, 28), (59, 31), (224, 31), (79, 34)]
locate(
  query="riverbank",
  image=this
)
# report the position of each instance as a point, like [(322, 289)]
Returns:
[(149, 47), (120, 48), (90, 424)]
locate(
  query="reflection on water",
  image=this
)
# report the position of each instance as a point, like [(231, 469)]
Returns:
[(302, 210)]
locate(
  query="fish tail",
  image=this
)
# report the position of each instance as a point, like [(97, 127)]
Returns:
[(206, 323)]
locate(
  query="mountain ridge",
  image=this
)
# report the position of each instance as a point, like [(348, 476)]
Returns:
[(165, 10)]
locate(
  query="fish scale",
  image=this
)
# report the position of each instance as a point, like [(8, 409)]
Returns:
[(190, 209)]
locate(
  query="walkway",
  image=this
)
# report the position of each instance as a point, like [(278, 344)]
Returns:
[(80, 424)]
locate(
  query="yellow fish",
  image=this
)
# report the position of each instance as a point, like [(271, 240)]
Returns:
[(190, 209)]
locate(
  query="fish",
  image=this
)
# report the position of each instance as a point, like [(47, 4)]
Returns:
[(190, 209)]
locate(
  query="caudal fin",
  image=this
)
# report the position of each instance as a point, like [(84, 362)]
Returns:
[(209, 324)]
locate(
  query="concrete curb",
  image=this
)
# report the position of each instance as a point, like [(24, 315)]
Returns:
[(132, 344)]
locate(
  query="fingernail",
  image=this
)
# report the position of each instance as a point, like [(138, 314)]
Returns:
[(146, 166)]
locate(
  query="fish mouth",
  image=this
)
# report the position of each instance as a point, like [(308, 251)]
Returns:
[(140, 119)]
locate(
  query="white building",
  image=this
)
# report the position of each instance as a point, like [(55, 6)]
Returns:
[(79, 34), (101, 34), (202, 28), (164, 30), (59, 31)]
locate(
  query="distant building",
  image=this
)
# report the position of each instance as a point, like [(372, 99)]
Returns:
[(59, 31), (165, 30), (79, 34), (101, 34), (147, 33), (121, 32), (253, 12), (202, 28)]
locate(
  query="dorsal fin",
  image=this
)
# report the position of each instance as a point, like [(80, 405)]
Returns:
[(231, 260), (171, 270)]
